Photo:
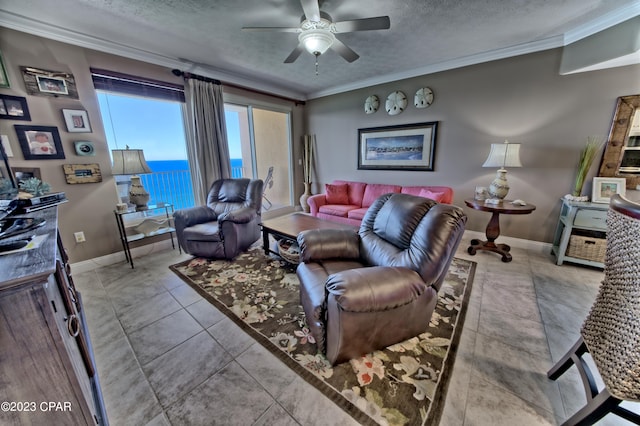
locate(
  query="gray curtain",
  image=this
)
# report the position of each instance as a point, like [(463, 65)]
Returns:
[(207, 147)]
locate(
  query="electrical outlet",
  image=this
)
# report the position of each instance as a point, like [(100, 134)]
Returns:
[(79, 237)]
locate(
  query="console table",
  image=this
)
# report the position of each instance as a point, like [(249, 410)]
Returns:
[(578, 216), (493, 228), (131, 226)]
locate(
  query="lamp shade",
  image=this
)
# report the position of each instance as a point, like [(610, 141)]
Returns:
[(129, 162), (504, 155), (316, 41)]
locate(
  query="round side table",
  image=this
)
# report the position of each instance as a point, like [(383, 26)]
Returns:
[(493, 227)]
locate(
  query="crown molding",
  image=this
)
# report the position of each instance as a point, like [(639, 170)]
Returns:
[(507, 52), (603, 22), (46, 30)]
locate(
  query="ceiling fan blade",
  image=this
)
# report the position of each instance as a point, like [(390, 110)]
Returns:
[(366, 24), (311, 10), (343, 50), (294, 55), (276, 29)]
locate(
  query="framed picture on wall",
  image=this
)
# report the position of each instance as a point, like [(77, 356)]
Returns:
[(403, 147), (605, 187), (14, 108), (4, 80), (39, 142), (77, 120), (23, 173), (49, 83)]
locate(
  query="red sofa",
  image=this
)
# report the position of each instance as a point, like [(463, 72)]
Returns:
[(347, 201)]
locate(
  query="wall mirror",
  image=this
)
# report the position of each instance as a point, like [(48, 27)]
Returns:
[(621, 157)]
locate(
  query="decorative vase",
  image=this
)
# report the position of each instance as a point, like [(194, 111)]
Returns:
[(137, 194), (305, 196), (499, 188)]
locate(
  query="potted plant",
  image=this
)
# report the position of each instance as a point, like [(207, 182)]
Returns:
[(587, 155)]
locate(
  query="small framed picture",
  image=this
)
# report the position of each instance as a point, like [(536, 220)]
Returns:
[(23, 173), (14, 108), (77, 120), (39, 142), (82, 173), (605, 187), (42, 82), (4, 80)]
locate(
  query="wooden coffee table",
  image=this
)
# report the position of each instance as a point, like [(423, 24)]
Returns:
[(289, 226)]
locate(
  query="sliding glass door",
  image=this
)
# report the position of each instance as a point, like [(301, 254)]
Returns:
[(259, 139)]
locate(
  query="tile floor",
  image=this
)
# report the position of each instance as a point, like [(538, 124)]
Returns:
[(165, 356)]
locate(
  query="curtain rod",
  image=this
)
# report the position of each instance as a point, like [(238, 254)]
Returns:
[(187, 75)]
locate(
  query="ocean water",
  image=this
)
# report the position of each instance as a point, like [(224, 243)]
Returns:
[(174, 165), (175, 188)]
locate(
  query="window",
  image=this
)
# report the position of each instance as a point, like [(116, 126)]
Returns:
[(145, 114)]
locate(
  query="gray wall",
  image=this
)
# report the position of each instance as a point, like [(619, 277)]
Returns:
[(522, 99)]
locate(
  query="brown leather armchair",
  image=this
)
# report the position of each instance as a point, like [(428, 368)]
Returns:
[(363, 291), (227, 225)]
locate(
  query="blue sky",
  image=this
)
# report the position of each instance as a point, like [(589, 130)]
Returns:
[(153, 126)]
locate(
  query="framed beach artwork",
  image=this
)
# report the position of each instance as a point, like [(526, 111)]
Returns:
[(605, 187), (402, 147)]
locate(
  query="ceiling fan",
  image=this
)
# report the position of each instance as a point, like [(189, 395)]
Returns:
[(317, 31)]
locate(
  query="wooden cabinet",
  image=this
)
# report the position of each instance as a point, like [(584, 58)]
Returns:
[(47, 368), (584, 223)]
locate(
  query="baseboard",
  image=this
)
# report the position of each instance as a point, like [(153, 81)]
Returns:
[(520, 243), (113, 258)]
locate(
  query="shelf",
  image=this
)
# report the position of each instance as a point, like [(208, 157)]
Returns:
[(140, 236), (130, 228)]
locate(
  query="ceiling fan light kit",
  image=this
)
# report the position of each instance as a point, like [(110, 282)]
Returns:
[(317, 32), (316, 41)]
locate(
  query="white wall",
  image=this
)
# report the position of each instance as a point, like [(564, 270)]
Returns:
[(523, 99)]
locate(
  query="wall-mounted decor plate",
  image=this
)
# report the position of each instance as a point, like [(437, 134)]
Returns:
[(84, 148), (396, 103)]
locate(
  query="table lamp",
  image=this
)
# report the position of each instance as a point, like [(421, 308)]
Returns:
[(502, 155), (132, 162)]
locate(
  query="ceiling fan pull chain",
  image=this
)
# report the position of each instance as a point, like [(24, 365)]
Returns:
[(317, 54)]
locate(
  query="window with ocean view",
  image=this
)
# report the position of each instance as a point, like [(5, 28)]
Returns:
[(146, 114), (156, 127)]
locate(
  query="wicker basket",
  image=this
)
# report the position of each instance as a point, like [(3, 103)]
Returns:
[(588, 248), (289, 251)]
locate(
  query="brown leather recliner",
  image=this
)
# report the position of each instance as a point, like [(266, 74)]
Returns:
[(227, 225), (366, 290)]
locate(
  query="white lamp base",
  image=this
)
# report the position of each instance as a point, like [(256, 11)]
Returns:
[(499, 188)]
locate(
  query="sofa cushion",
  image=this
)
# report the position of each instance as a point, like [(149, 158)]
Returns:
[(357, 213), (339, 210), (337, 194), (435, 196), (375, 190), (356, 191), (447, 198)]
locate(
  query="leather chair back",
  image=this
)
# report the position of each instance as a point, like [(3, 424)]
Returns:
[(231, 194), (412, 232)]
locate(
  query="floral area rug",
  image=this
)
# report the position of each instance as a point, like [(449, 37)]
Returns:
[(403, 384)]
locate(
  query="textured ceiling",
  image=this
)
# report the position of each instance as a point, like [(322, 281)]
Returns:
[(204, 36)]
